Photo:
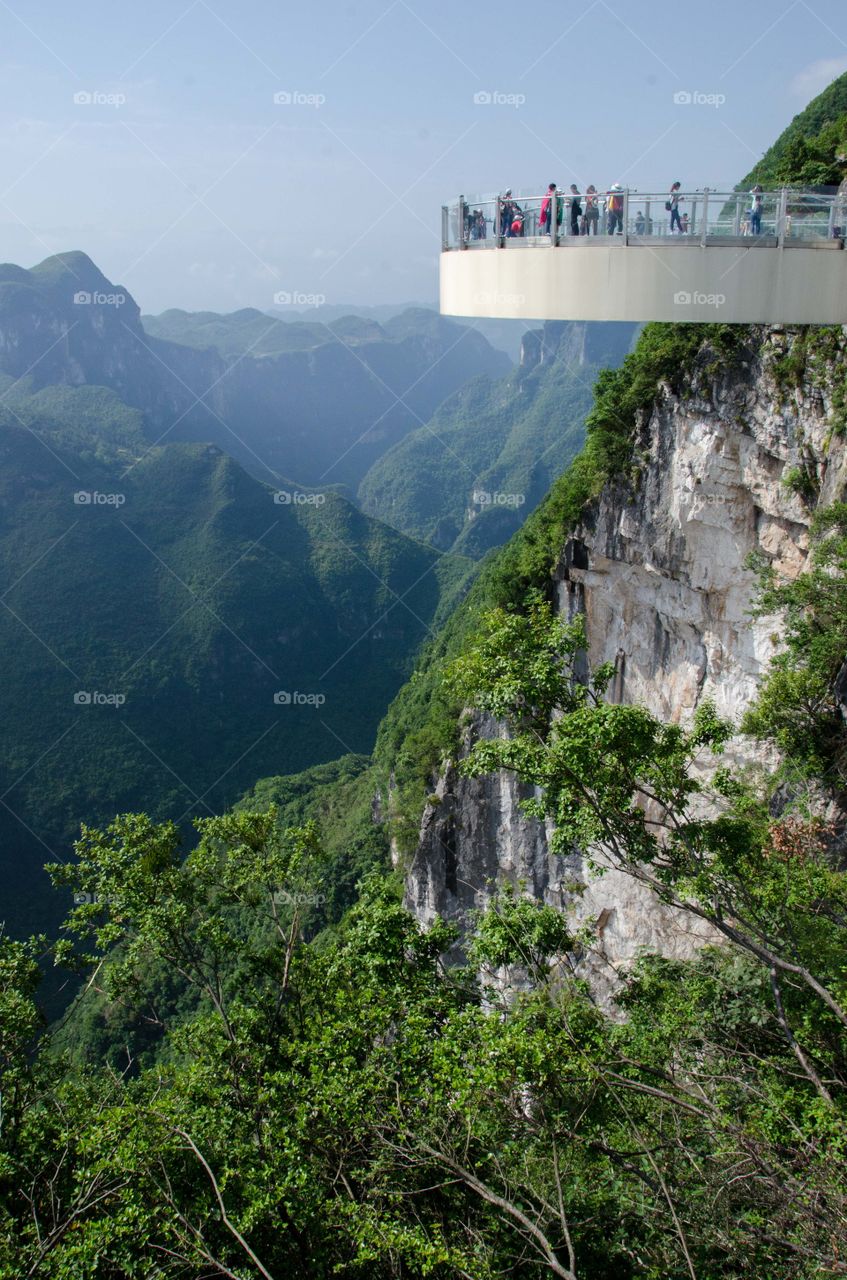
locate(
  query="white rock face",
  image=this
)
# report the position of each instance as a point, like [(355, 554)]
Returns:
[(659, 571)]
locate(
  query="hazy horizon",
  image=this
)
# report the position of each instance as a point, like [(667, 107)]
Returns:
[(208, 159)]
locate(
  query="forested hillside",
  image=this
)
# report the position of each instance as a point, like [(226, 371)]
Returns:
[(156, 599), (276, 1068), (469, 478)]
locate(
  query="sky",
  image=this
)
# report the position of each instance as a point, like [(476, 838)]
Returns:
[(212, 155)]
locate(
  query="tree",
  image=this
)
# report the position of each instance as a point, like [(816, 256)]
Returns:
[(623, 787)]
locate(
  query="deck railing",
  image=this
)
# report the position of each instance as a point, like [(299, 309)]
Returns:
[(809, 216)]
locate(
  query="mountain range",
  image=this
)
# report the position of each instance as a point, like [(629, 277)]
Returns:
[(173, 627)]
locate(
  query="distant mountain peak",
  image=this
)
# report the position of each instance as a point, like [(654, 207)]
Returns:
[(74, 271)]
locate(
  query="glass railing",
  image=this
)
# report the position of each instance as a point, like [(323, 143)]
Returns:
[(803, 216)]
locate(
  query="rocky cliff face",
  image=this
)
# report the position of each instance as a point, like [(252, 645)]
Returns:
[(578, 342), (658, 568)]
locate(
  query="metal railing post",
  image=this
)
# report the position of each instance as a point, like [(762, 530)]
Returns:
[(463, 244), (780, 223), (498, 205), (704, 230), (554, 218), (625, 227), (445, 235), (736, 227)]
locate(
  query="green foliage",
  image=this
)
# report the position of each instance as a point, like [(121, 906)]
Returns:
[(517, 930), (797, 706), (623, 787), (808, 150), (816, 358), (340, 797), (820, 160), (349, 1106), (802, 481)]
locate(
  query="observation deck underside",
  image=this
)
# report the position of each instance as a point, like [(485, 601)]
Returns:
[(604, 279)]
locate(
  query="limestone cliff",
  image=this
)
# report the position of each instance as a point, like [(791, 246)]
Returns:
[(657, 565)]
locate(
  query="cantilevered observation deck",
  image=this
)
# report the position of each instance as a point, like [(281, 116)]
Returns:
[(791, 268)]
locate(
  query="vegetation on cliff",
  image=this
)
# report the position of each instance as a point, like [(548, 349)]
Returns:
[(422, 725), (264, 1080), (813, 148)]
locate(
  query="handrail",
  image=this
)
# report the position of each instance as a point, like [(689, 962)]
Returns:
[(785, 216)]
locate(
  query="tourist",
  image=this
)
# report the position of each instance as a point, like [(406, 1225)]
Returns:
[(614, 204), (576, 209), (684, 224), (510, 214), (546, 206), (591, 217), (756, 211), (672, 206)]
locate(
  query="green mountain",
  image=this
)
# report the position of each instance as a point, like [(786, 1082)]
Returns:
[(471, 476), (156, 598), (794, 156), (322, 412), (253, 332), (320, 401)]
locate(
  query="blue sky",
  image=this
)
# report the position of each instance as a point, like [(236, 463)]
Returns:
[(187, 183)]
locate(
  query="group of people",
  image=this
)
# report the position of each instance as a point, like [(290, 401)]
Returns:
[(583, 213)]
